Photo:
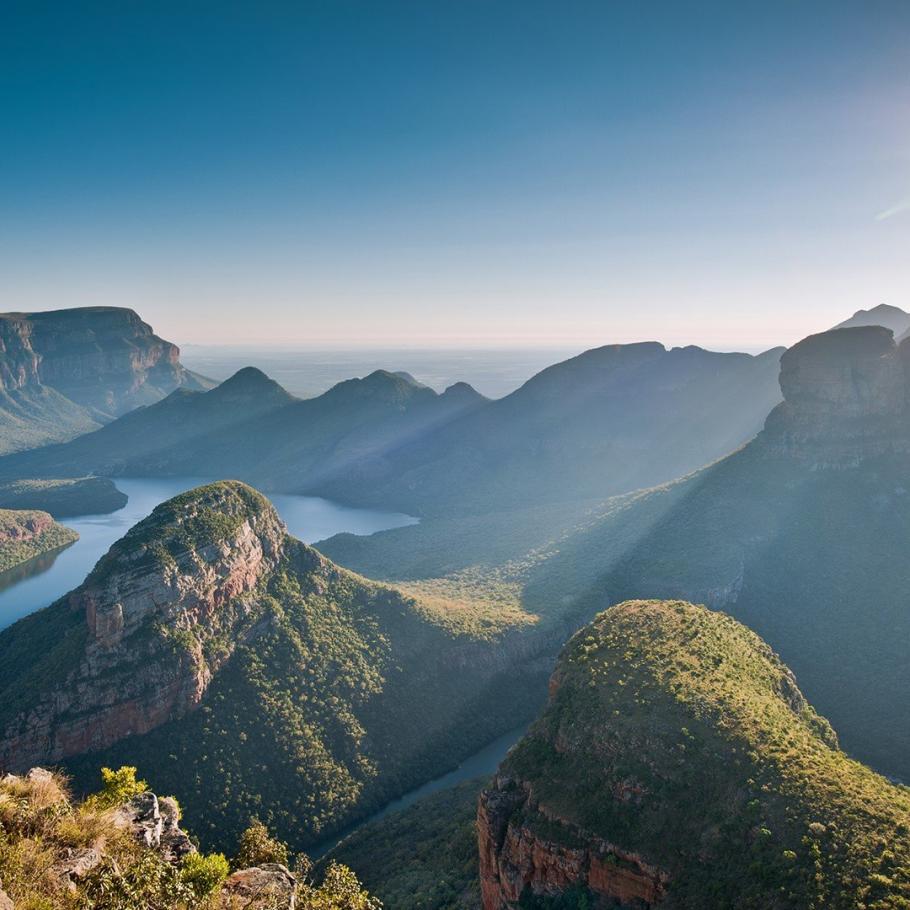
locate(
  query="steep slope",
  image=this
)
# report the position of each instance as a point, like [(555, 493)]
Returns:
[(249, 427), (423, 857), (249, 675), (64, 372), (890, 317), (25, 534), (678, 765), (31, 414), (610, 420)]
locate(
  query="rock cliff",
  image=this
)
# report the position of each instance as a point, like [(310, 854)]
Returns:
[(846, 398), (105, 359), (678, 765), (152, 610), (247, 674)]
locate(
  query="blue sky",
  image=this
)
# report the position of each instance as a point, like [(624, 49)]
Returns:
[(456, 171)]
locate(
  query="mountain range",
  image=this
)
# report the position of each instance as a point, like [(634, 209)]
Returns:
[(799, 534), (610, 420)]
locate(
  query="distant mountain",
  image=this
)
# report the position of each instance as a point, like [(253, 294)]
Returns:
[(612, 419), (65, 372), (249, 675), (677, 765), (800, 534), (249, 427), (890, 317)]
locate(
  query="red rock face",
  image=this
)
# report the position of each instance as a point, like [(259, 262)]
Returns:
[(27, 528), (513, 858), (132, 676)]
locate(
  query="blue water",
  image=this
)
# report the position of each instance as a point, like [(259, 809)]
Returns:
[(41, 581)]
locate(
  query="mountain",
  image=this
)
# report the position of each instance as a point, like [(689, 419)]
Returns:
[(25, 534), (249, 676), (678, 765), (65, 372), (800, 534), (890, 317), (612, 419), (249, 427)]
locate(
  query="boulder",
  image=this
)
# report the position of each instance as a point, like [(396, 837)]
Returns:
[(270, 885)]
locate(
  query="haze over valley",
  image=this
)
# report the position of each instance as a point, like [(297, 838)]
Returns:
[(455, 456)]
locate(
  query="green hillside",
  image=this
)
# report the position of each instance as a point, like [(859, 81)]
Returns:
[(675, 734)]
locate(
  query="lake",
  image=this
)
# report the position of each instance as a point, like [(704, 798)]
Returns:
[(39, 582)]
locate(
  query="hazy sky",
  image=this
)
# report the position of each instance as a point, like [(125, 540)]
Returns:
[(458, 171)]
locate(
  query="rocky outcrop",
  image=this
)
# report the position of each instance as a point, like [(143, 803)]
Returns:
[(22, 526), (105, 359), (846, 398), (182, 578), (155, 823), (269, 886), (520, 852)]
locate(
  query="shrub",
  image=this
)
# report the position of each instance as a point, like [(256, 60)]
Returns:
[(119, 786), (257, 846), (204, 873)]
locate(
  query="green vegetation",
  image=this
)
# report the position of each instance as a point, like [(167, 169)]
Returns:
[(63, 498), (729, 780), (38, 416), (45, 834), (26, 534), (199, 518), (257, 846), (309, 724), (422, 858)]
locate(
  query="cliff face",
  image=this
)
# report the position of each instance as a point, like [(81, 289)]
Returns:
[(677, 765), (104, 359), (152, 610), (846, 397), (18, 360), (516, 857)]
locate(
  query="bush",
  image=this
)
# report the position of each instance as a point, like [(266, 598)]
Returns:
[(204, 873), (119, 786), (257, 846)]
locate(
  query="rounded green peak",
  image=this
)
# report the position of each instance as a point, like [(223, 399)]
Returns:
[(689, 660), (677, 734), (206, 515)]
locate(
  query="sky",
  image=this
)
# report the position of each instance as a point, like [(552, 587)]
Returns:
[(458, 172)]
